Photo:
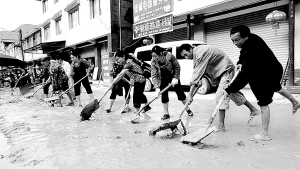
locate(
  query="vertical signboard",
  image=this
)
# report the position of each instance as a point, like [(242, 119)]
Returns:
[(106, 63)]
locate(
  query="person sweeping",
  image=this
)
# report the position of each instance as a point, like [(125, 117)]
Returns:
[(79, 69), (262, 71), (165, 69), (118, 88), (217, 65), (134, 70)]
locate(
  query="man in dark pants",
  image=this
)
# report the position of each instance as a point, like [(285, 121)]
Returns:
[(262, 70), (165, 69)]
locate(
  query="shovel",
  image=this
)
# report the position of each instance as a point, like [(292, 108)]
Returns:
[(173, 124), (196, 137), (57, 97), (88, 110), (211, 118), (138, 113)]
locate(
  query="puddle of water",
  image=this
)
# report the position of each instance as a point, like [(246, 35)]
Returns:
[(3, 144)]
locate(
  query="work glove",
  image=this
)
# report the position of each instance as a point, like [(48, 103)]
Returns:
[(174, 82), (157, 92)]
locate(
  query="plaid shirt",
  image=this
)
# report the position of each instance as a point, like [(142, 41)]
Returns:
[(133, 68)]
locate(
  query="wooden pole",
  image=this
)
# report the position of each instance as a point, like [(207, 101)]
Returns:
[(21, 46)]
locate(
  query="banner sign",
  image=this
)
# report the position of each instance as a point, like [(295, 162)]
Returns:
[(152, 27), (106, 65), (149, 9)]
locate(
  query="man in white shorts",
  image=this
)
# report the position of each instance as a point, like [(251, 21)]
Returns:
[(213, 61)]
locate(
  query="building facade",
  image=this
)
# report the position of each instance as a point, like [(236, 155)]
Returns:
[(96, 27), (211, 22)]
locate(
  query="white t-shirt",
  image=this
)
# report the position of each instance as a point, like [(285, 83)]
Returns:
[(67, 67)]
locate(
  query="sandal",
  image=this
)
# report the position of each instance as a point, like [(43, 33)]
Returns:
[(259, 137), (190, 113), (126, 109), (147, 108), (296, 108), (220, 129), (165, 117), (252, 117)]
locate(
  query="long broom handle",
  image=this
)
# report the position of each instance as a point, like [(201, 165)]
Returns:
[(166, 88), (220, 103), (128, 94), (187, 103), (72, 86), (104, 95), (43, 84)]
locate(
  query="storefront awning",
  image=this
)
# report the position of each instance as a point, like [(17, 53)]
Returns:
[(46, 47), (32, 57)]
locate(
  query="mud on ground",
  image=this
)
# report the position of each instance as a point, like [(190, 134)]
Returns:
[(53, 138)]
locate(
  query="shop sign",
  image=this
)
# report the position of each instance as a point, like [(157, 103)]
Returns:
[(154, 26), (149, 9), (106, 65)]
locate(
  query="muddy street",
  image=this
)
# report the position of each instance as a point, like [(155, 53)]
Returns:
[(37, 136)]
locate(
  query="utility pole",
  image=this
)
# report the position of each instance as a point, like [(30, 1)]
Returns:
[(120, 24), (21, 44)]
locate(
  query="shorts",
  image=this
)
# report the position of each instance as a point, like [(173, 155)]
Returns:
[(238, 98), (264, 88)]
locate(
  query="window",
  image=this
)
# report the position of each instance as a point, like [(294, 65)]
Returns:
[(95, 9), (45, 6), (47, 32), (58, 26), (74, 18), (146, 55)]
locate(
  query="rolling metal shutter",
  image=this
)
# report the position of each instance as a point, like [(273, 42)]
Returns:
[(218, 33), (175, 35)]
